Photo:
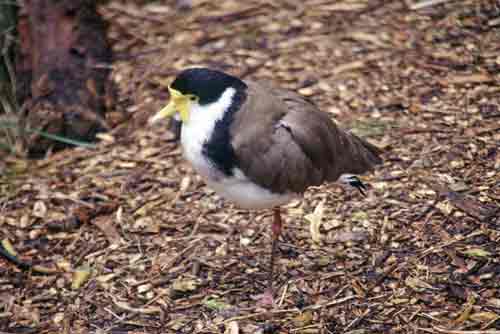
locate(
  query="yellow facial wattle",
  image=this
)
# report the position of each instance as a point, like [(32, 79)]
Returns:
[(179, 103)]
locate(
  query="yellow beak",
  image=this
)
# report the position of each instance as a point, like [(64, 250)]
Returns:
[(178, 103)]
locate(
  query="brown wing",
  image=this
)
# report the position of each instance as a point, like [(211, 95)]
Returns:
[(285, 143)]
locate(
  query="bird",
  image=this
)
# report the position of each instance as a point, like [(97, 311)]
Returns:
[(261, 146)]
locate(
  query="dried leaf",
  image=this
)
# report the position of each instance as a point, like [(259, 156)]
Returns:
[(58, 318), (476, 252), (495, 302), (39, 209), (143, 288), (7, 245), (464, 315), (140, 310), (445, 207), (399, 301), (106, 278), (359, 216), (105, 224), (185, 183), (147, 225), (185, 285), (221, 250), (232, 328), (105, 137), (245, 241), (484, 316), (80, 276), (315, 221), (215, 304), (417, 284), (64, 265), (303, 319), (378, 40)]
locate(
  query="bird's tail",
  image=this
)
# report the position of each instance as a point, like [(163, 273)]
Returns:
[(363, 158), (354, 182), (366, 155), (372, 152)]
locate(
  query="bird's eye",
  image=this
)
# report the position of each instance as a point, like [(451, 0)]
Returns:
[(193, 98)]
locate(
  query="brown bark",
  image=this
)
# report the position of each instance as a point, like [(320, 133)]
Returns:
[(63, 70), (7, 25)]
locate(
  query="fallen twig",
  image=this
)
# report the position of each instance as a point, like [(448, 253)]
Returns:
[(357, 320), (494, 22), (452, 331), (461, 79), (426, 3), (295, 310)]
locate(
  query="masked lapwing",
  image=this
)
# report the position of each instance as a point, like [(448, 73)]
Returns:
[(260, 146)]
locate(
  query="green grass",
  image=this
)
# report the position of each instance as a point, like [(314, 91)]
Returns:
[(11, 134), (12, 127)]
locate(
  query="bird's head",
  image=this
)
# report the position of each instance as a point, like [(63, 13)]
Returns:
[(195, 86)]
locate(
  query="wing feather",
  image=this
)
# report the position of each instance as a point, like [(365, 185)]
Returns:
[(284, 143)]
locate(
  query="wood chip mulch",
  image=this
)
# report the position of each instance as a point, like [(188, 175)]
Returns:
[(126, 238)]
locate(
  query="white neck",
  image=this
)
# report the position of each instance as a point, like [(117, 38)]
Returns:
[(200, 126), (202, 119), (210, 113)]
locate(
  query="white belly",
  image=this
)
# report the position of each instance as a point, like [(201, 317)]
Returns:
[(236, 188), (246, 194)]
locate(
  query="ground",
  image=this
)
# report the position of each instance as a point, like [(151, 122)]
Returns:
[(166, 255)]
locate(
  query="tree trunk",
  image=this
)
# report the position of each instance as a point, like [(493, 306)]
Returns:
[(8, 105), (62, 66), (7, 28)]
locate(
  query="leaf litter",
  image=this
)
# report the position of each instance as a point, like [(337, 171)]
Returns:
[(134, 242)]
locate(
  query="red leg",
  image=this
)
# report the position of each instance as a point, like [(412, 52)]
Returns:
[(267, 298), (276, 232)]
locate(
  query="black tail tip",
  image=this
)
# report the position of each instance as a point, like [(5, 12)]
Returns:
[(356, 183)]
